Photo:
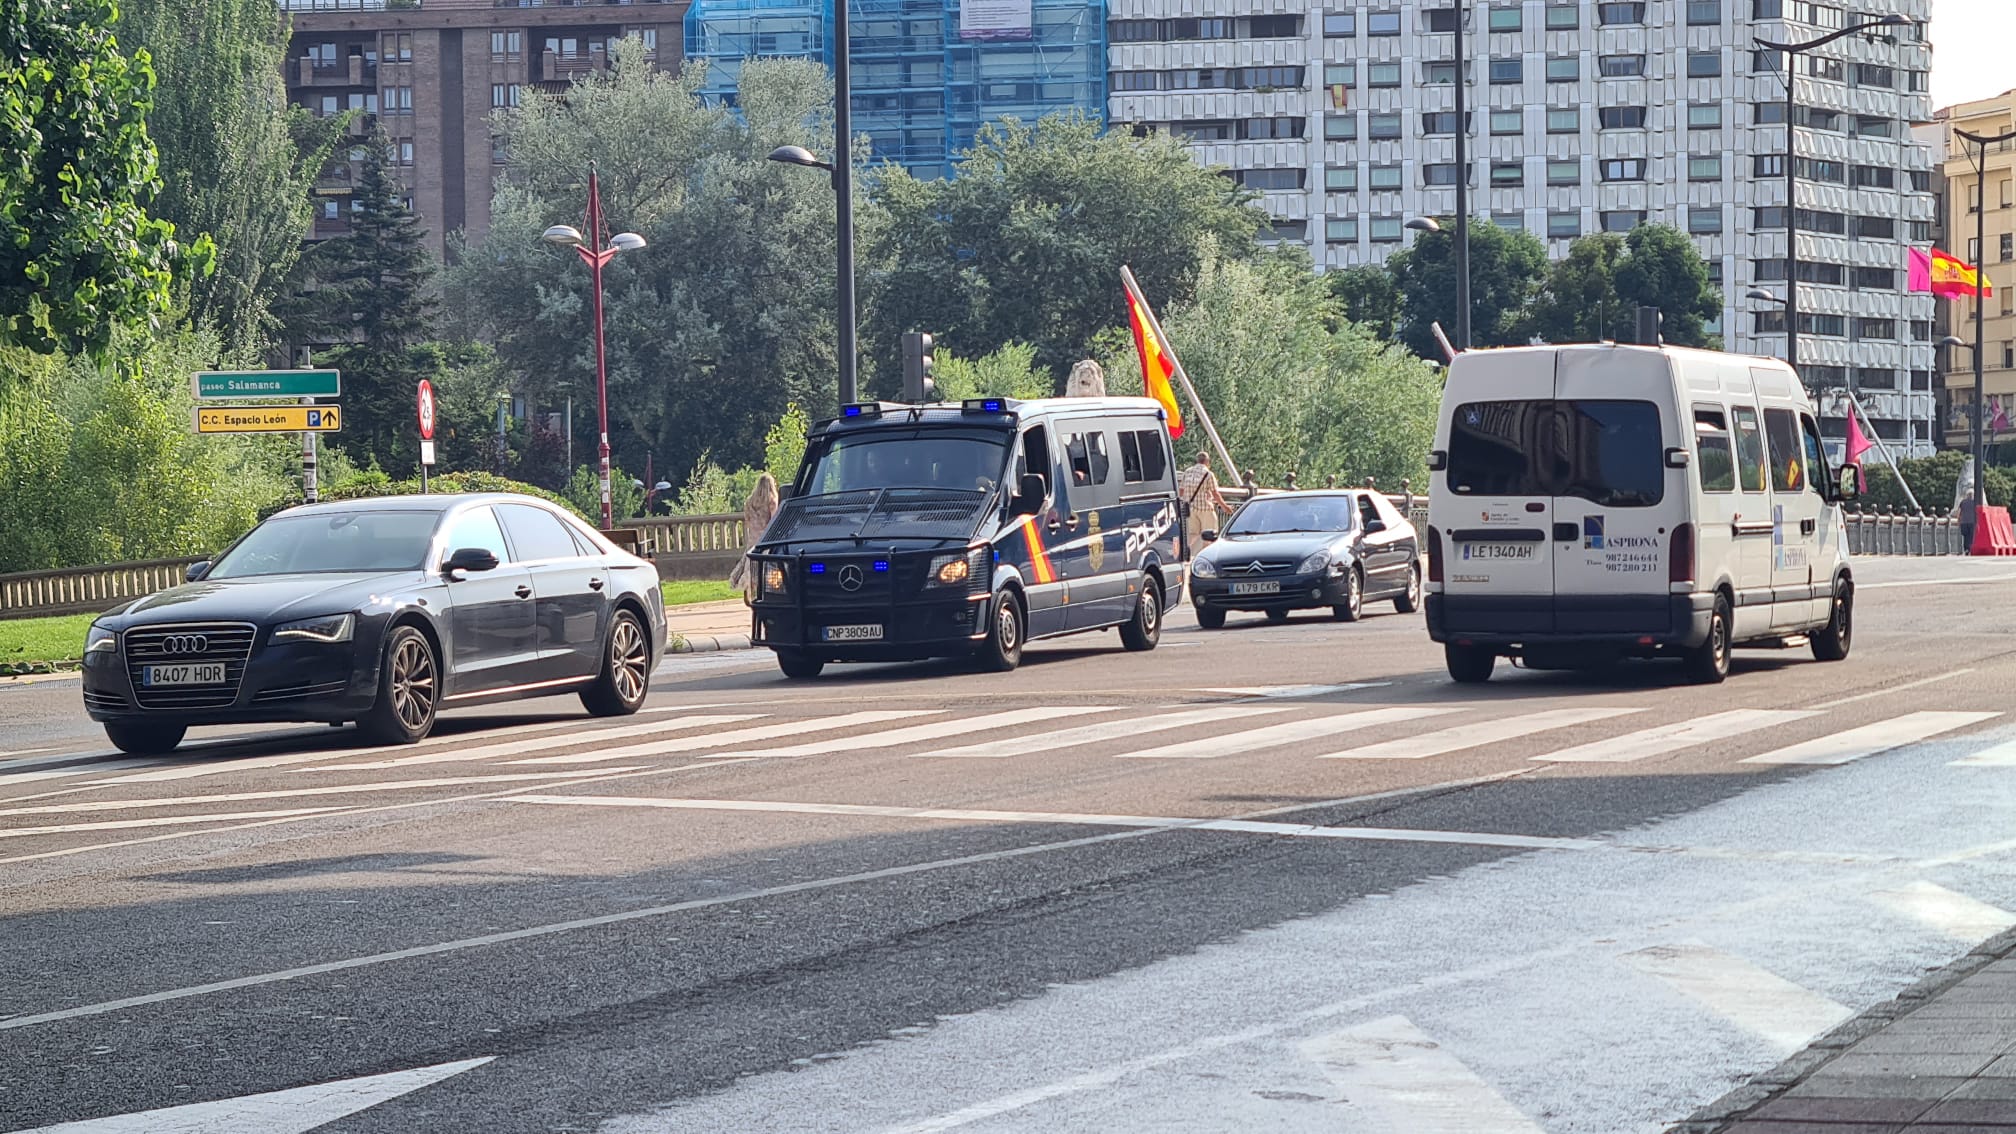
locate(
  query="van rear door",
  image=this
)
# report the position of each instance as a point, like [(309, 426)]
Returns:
[(1617, 505), (1493, 509)]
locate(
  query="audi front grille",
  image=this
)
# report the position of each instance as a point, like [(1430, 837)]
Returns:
[(194, 643)]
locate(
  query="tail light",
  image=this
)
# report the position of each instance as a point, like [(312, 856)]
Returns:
[(1434, 555), (1681, 568)]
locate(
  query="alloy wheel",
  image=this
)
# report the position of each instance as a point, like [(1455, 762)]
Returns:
[(413, 683), (629, 661), (1007, 628)]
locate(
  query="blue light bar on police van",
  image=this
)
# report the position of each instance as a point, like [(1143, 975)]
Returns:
[(861, 409), (984, 405), (817, 568)]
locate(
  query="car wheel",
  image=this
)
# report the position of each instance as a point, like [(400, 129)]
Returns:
[(1469, 665), (1145, 628), (1353, 606), (1210, 617), (1277, 616), (1410, 601), (1831, 643), (626, 670), (1708, 663), (143, 739), (1003, 648), (799, 665), (409, 690)]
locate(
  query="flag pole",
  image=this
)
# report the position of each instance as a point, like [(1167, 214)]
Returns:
[(1855, 407), (1196, 403)]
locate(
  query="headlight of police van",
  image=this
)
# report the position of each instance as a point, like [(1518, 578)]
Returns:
[(100, 640), (1315, 562), (328, 628), (1203, 568), (949, 570), (775, 581)]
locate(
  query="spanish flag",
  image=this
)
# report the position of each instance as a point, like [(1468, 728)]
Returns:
[(1945, 275), (1157, 365)]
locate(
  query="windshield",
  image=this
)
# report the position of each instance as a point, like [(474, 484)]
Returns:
[(1606, 452), (964, 460), (1293, 514), (343, 541)]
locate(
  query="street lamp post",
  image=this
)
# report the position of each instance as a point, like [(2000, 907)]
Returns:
[(843, 191), (1791, 53), (593, 254), (1981, 143)]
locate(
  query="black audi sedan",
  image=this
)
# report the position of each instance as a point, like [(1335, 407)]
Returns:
[(1288, 551), (383, 612)]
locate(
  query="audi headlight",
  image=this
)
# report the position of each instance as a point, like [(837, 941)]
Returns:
[(1315, 562), (100, 640), (328, 628), (775, 581), (1203, 568), (949, 570)]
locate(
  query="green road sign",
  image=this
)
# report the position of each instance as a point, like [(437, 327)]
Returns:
[(267, 384)]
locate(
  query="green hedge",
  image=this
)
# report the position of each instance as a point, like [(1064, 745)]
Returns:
[(371, 483)]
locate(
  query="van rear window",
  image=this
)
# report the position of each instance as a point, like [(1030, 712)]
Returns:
[(1607, 452)]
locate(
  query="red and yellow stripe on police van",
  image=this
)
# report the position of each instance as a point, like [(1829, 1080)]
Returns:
[(1039, 559)]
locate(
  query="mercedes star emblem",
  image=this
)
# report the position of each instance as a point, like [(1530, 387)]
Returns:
[(850, 578)]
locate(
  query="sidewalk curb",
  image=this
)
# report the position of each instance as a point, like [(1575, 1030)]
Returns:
[(707, 643), (1767, 1086)]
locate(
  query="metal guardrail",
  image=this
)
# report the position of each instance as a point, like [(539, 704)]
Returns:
[(84, 590), (1884, 532)]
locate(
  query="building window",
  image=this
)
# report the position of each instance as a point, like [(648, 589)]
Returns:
[(403, 153), (1704, 167), (1133, 31), (1768, 113), (1341, 179), (1770, 322), (1382, 75), (1508, 122), (1834, 325), (1876, 279), (1622, 169), (1876, 377), (1438, 74), (503, 95), (1508, 174), (1621, 66), (1874, 75), (1704, 64), (329, 107), (511, 44), (1872, 126), (1383, 127), (1703, 12), (1876, 329), (1872, 177), (1621, 117), (1766, 62), (1608, 14), (1767, 165), (1820, 119), (1504, 19), (1340, 74), (1340, 127), (1817, 169), (396, 100), (396, 48), (1386, 230), (331, 209), (1273, 27), (500, 149), (1505, 71), (1622, 220), (1704, 116), (1510, 222), (1341, 230), (1564, 120), (1823, 221), (1438, 173), (1382, 23), (1875, 228), (1340, 25), (1220, 28), (1136, 80), (1385, 177), (1564, 17), (1562, 226), (1704, 222), (1767, 9), (1564, 172), (1921, 231), (1768, 216), (2008, 247), (1269, 78), (1268, 178), (1438, 122), (1564, 68), (1823, 68)]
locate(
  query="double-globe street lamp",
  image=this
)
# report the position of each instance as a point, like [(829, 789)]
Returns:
[(841, 168), (1981, 143), (1791, 53), (595, 255)]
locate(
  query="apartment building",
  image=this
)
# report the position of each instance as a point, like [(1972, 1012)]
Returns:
[(1584, 116), (429, 75), (1967, 173)]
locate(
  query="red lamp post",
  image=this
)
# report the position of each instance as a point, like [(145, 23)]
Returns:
[(592, 253)]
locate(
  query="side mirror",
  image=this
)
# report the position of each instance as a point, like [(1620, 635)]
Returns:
[(1374, 526), (196, 571), (470, 559), (1210, 535), (1848, 485), (1029, 494)]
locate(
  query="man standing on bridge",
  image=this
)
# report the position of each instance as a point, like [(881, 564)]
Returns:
[(1197, 488)]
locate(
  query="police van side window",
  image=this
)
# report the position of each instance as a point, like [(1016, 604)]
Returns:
[(1130, 458), (1080, 460), (1035, 455), (1714, 452), (1749, 448), (1788, 462), (1102, 461), (1154, 455)]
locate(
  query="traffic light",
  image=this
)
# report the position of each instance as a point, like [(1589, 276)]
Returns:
[(917, 383)]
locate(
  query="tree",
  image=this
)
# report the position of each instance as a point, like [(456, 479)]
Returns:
[(726, 316), (1593, 294), (80, 257), (1025, 242), (1506, 266), (1010, 372), (237, 162), (1368, 296), (784, 444)]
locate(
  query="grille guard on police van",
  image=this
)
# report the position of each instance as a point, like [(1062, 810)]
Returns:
[(892, 588)]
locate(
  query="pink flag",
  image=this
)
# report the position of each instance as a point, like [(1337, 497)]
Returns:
[(1921, 270), (1857, 445)]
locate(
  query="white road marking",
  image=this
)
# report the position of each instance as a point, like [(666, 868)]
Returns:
[(1273, 692), (968, 815), (187, 746), (284, 793), (1104, 730), (2011, 578), (448, 754), (1673, 737), (74, 770), (293, 1111), (937, 730), (218, 767), (1456, 739), (1870, 739), (1410, 1082), (159, 821), (7, 758), (1954, 914), (691, 745), (1887, 690), (2001, 755), (1287, 732), (1760, 1002)]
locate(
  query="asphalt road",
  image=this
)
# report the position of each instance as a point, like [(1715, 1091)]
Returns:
[(1283, 877)]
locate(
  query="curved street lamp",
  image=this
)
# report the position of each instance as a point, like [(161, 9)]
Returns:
[(843, 192), (567, 236)]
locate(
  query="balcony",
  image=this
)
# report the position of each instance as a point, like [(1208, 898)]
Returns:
[(558, 67), (355, 71)]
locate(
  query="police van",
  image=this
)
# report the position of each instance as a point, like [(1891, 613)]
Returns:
[(1601, 501), (955, 530)]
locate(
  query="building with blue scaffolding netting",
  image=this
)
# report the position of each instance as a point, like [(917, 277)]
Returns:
[(927, 73)]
